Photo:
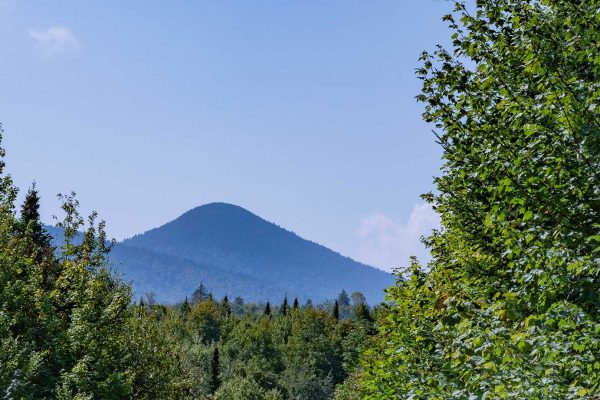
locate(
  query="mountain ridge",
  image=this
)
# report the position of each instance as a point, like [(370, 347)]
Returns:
[(233, 251), (240, 208)]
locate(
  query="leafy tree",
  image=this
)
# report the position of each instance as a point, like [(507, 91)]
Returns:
[(206, 318), (508, 307), (313, 357), (358, 298), (68, 329), (350, 389), (95, 307), (156, 370), (240, 389), (252, 350)]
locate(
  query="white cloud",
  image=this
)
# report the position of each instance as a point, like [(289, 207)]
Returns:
[(56, 39), (388, 243)]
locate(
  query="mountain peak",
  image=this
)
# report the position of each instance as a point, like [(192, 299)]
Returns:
[(231, 238), (217, 207)]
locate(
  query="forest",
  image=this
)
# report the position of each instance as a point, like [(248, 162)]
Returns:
[(507, 308)]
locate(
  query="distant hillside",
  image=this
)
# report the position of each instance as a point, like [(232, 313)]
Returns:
[(233, 239), (171, 278), (232, 251)]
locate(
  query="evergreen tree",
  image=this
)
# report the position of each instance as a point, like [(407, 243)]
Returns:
[(238, 305), (296, 304), (267, 310), (343, 299), (215, 381), (362, 312), (200, 294), (31, 322), (36, 240), (238, 301), (226, 306), (30, 219), (284, 307), (185, 307), (336, 311)]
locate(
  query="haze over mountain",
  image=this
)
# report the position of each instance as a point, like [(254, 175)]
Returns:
[(240, 246), (233, 251)]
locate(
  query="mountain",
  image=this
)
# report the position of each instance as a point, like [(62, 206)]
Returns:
[(233, 251)]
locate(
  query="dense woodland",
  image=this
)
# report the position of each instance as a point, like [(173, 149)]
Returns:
[(508, 308)]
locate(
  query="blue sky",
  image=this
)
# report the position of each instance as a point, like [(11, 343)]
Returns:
[(301, 111)]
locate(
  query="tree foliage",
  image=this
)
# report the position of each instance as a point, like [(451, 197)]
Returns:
[(508, 307), (67, 327)]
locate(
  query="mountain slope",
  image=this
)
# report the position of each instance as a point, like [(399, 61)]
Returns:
[(171, 278), (225, 237)]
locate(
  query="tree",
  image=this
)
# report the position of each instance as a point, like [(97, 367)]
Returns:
[(336, 311), (296, 304), (31, 325), (94, 303), (215, 368), (200, 294), (31, 222), (243, 388), (284, 307), (267, 310), (358, 298), (362, 313), (150, 298), (185, 307), (508, 306), (226, 306), (68, 329), (343, 299), (238, 305)]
